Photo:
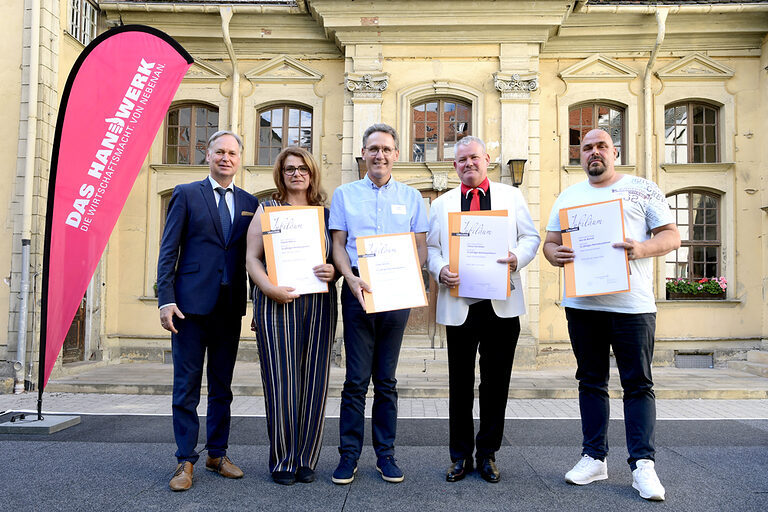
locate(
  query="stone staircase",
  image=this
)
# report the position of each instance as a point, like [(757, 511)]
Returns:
[(756, 363)]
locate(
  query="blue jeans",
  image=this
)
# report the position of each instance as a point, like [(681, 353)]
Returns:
[(372, 346), (592, 334)]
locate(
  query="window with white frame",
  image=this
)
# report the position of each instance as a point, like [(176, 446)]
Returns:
[(83, 15)]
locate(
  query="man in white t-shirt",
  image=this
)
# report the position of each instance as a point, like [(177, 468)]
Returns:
[(625, 322)]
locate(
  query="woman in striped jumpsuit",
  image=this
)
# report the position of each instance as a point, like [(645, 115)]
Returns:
[(294, 333)]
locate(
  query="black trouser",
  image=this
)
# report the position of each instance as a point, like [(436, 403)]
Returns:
[(496, 339), (593, 333)]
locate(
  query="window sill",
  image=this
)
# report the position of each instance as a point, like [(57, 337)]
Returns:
[(715, 167), (623, 169)]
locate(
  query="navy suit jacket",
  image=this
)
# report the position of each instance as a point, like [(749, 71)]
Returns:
[(193, 252)]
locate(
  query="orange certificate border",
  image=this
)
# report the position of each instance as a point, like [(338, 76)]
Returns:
[(568, 268), (454, 241), (269, 249), (362, 265)]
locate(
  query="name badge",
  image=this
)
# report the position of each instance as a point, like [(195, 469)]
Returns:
[(398, 209)]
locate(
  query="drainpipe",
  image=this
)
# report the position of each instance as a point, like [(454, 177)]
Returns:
[(661, 19), (234, 104), (29, 181)]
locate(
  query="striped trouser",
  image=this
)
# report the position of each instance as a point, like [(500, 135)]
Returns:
[(294, 343)]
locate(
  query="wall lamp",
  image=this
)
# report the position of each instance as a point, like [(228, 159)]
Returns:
[(516, 170)]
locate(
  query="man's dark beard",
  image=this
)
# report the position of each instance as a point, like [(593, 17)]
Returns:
[(597, 171)]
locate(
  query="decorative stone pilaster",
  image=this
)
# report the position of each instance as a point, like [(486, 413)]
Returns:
[(369, 85), (514, 86), (440, 181)]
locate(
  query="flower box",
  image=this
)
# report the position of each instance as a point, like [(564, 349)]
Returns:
[(695, 296), (679, 288)]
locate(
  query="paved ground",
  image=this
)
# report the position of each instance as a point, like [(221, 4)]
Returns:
[(712, 454), (123, 463)]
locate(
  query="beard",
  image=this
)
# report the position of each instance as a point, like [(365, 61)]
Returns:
[(597, 170)]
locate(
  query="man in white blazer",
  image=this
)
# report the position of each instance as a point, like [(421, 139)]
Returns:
[(475, 324)]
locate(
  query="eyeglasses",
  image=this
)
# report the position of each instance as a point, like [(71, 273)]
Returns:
[(291, 170), (385, 150)]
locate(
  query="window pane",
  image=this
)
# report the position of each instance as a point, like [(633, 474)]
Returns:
[(682, 217), (698, 233), (573, 155), (669, 117), (293, 117), (709, 134), (430, 152), (306, 119), (170, 155), (183, 155), (681, 115), (710, 116), (418, 153), (698, 114), (184, 135), (697, 152), (710, 154), (266, 118), (669, 155), (185, 116), (293, 137), (277, 117), (199, 156), (264, 156), (306, 138), (173, 117), (698, 134), (173, 136), (711, 232), (587, 116), (264, 134), (448, 151), (684, 232), (681, 155), (277, 137)]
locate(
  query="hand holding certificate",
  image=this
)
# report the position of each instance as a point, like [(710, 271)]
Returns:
[(597, 267), (478, 239), (390, 265), (294, 243)]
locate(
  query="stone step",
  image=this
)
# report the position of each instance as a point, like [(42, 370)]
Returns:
[(759, 369), (429, 381), (757, 356)]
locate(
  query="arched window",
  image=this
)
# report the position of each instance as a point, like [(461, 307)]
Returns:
[(697, 214), (436, 125), (588, 116), (691, 134), (281, 126), (187, 129)]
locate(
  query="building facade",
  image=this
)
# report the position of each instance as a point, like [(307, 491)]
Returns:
[(681, 86)]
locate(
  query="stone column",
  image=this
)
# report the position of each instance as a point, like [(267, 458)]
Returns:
[(518, 84), (365, 83)]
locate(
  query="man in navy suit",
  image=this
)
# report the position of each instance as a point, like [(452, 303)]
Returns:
[(201, 287)]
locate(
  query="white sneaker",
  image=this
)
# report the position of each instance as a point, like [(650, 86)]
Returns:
[(587, 470), (644, 479)]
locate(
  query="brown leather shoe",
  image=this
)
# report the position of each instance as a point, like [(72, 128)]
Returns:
[(182, 477), (223, 466)]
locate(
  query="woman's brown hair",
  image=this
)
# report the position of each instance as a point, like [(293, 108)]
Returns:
[(315, 194)]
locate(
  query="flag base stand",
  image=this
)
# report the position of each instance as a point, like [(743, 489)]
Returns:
[(29, 424)]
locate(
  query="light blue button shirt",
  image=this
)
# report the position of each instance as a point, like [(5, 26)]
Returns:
[(361, 209)]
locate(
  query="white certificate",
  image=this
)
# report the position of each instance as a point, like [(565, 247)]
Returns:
[(390, 265), (597, 268), (294, 243), (478, 239)]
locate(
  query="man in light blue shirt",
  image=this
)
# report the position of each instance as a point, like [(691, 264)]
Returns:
[(374, 205)]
